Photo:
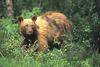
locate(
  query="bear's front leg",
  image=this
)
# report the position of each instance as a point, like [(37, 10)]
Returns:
[(42, 43)]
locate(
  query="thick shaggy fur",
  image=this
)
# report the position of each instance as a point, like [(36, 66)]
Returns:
[(45, 29)]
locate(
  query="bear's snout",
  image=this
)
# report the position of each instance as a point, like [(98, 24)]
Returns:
[(29, 31)]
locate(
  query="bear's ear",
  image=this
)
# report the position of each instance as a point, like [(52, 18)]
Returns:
[(34, 18), (20, 19)]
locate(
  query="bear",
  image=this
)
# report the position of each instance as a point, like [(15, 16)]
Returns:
[(45, 29), (28, 28)]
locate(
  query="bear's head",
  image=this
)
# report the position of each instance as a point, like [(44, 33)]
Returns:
[(27, 26)]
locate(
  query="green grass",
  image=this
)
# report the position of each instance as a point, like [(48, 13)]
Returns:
[(75, 54), (50, 59)]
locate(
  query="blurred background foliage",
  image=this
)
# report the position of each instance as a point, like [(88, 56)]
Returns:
[(81, 48)]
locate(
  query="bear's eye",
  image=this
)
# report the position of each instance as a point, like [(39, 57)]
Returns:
[(32, 25), (25, 26)]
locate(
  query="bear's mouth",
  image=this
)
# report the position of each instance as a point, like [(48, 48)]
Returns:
[(29, 32)]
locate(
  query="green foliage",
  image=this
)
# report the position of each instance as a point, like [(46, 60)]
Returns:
[(78, 50), (10, 37), (11, 55), (55, 58), (34, 12)]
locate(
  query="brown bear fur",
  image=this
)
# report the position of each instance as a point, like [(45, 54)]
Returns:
[(45, 29), (28, 29), (60, 19)]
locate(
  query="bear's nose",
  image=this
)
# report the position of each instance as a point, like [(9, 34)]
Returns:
[(30, 31)]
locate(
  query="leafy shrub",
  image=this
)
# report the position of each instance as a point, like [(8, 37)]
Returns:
[(11, 38), (34, 12)]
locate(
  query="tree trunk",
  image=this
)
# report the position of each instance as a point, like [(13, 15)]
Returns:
[(9, 8)]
